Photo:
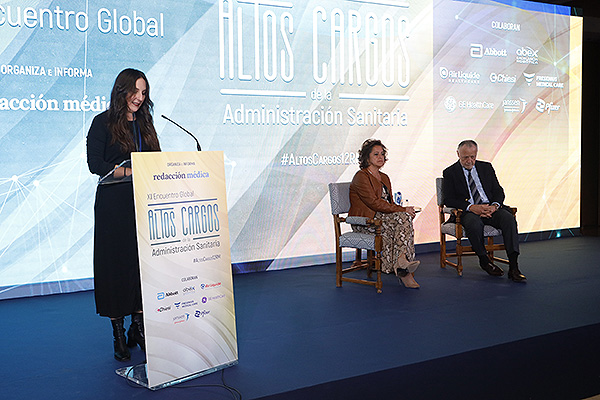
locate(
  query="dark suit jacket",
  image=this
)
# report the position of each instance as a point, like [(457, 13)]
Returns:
[(456, 192)]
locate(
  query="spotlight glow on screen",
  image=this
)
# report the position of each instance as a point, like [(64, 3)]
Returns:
[(288, 90)]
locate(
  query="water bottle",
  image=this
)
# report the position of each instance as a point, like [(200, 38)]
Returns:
[(398, 198)]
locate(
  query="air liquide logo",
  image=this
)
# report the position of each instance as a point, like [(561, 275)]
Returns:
[(527, 55), (478, 51), (542, 106), (206, 286), (459, 77)]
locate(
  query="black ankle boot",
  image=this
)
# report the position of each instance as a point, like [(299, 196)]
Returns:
[(120, 345), (135, 334)]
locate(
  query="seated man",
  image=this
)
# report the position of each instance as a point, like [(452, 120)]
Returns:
[(473, 187)]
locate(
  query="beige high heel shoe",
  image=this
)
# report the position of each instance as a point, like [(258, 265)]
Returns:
[(407, 280)]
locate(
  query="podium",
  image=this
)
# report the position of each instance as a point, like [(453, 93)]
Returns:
[(185, 267)]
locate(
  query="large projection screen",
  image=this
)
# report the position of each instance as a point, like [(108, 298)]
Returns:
[(288, 90)]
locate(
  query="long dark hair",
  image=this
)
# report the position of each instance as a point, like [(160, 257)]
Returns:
[(366, 149), (118, 124)]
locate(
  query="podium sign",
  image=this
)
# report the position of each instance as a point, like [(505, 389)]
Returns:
[(185, 266)]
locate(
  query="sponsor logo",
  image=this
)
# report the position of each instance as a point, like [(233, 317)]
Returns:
[(506, 26), (450, 104), (548, 82), (206, 299), (502, 78), (475, 105), (185, 304), (201, 313), (206, 286), (163, 295), (189, 278), (478, 51), (459, 77), (542, 106), (527, 55), (514, 105), (181, 318), (189, 290), (163, 309), (529, 78)]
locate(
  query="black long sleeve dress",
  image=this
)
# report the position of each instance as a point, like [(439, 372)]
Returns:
[(116, 263)]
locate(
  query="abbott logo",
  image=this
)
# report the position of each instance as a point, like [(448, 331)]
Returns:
[(476, 50)]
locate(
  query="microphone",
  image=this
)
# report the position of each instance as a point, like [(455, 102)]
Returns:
[(183, 129)]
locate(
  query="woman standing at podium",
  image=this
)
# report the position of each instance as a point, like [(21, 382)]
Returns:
[(126, 126)]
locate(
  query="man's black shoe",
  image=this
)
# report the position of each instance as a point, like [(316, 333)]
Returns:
[(492, 269), (515, 275)]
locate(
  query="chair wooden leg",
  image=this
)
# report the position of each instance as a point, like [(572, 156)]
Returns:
[(338, 267), (443, 250), (379, 284), (370, 262), (459, 265)]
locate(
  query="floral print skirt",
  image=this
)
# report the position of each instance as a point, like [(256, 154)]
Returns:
[(398, 238)]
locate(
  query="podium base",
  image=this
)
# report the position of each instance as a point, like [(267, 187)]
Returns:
[(137, 373)]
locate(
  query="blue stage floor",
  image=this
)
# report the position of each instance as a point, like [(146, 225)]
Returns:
[(296, 329)]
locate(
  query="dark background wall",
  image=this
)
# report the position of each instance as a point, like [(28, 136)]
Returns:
[(590, 118)]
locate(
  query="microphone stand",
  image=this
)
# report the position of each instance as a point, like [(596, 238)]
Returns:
[(183, 129)]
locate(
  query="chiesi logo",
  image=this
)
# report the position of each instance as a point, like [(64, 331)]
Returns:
[(502, 78), (527, 55), (542, 106), (460, 77), (478, 51), (163, 309), (514, 105)]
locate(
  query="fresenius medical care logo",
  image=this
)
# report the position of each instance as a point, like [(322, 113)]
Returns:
[(529, 78)]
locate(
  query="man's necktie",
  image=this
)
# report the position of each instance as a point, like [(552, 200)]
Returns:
[(474, 191)]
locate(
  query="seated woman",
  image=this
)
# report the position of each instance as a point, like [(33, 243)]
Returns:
[(371, 196)]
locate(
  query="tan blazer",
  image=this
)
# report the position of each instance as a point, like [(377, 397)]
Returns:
[(365, 195)]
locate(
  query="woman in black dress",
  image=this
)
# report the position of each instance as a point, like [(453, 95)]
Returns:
[(126, 126)]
